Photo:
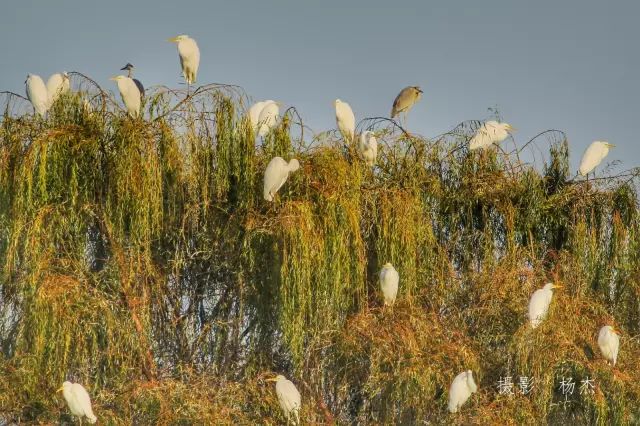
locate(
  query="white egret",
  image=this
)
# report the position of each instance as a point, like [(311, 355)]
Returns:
[(129, 93), (37, 93), (57, 85), (289, 398), (268, 117), (276, 175), (78, 401), (345, 119), (593, 156), (539, 304), (389, 279), (461, 389), (490, 133), (609, 343), (189, 57), (129, 68), (405, 100), (254, 114), (368, 147)]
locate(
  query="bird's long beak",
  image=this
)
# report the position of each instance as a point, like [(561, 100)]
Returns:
[(512, 129), (273, 379), (114, 78), (610, 145), (59, 390), (557, 286), (617, 331), (173, 39)]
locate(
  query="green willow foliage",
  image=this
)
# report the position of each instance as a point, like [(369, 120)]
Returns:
[(139, 258)]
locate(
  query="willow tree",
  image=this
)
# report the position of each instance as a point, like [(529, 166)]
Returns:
[(139, 258)]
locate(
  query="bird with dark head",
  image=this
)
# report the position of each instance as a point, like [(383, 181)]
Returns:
[(405, 100), (129, 68)]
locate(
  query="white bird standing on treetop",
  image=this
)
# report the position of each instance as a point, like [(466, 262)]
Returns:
[(289, 398), (368, 147), (389, 279), (593, 156), (37, 93), (254, 114), (609, 343), (345, 119), (490, 133), (405, 100), (57, 85), (539, 304), (461, 389), (129, 93), (189, 57), (276, 175), (78, 401), (268, 116)]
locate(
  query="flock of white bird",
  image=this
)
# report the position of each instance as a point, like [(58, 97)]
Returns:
[(263, 116)]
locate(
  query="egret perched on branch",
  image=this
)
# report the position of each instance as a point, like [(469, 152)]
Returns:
[(268, 116), (189, 57), (254, 114), (129, 68), (57, 85), (345, 119), (78, 401), (490, 133), (289, 398), (276, 175), (37, 93), (405, 100), (461, 389), (129, 93), (368, 147), (389, 279), (609, 343), (593, 156), (539, 303)]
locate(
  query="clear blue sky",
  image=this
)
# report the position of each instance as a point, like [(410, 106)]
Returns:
[(570, 65)]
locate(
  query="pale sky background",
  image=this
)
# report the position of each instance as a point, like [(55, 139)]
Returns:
[(569, 65)]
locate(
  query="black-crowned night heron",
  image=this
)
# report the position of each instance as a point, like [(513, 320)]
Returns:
[(129, 68), (405, 100)]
